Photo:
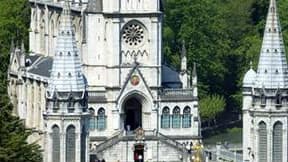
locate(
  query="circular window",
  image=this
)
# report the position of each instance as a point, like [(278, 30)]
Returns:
[(133, 34)]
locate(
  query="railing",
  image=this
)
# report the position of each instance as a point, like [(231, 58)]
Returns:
[(148, 133), (230, 156), (221, 153), (176, 93), (109, 142), (96, 95), (171, 142)]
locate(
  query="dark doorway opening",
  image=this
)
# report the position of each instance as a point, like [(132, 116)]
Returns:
[(139, 153), (133, 114)]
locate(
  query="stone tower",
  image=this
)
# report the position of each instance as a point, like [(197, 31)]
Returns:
[(265, 98), (66, 117)]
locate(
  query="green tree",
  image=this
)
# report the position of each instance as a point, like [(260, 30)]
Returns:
[(222, 37), (14, 23), (13, 138), (211, 106)]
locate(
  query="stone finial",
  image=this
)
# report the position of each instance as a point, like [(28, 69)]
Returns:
[(183, 57)]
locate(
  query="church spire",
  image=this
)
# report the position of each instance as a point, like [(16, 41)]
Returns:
[(183, 57), (272, 67), (66, 75)]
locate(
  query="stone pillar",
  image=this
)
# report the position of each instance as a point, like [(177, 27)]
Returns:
[(116, 119), (218, 149)]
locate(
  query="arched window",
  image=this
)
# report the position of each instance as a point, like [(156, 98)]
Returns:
[(101, 119), (165, 118), (55, 143), (70, 144), (186, 120), (42, 35), (83, 144), (262, 142), (92, 121), (176, 118), (277, 142)]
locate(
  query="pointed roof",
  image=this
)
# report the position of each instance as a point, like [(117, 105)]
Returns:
[(66, 75), (272, 67), (249, 77), (183, 57)]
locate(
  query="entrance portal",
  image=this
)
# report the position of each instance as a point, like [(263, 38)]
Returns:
[(139, 153), (133, 114)]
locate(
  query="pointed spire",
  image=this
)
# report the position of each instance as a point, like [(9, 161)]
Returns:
[(183, 57), (194, 80), (272, 67), (66, 75), (194, 72), (12, 45), (22, 47)]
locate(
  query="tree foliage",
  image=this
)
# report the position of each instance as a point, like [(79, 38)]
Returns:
[(211, 107), (14, 24), (13, 139), (222, 37)]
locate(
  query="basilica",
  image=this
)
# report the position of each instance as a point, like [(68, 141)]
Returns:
[(94, 84)]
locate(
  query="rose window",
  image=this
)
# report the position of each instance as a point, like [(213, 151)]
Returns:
[(133, 34)]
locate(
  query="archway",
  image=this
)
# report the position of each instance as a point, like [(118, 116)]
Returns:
[(132, 114)]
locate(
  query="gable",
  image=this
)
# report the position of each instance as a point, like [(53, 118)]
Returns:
[(135, 83)]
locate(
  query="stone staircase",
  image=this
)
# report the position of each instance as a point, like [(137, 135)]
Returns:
[(149, 135), (110, 142), (171, 142)]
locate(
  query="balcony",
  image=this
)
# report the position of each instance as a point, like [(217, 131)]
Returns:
[(177, 95)]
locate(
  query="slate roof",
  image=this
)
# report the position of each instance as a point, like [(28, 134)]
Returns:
[(42, 67), (94, 6), (170, 77), (272, 69), (32, 58), (66, 75)]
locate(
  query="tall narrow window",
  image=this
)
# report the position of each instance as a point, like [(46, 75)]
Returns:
[(92, 121), (262, 142), (55, 144), (263, 100), (176, 118), (186, 120), (70, 144), (101, 119), (277, 142), (165, 118), (83, 144)]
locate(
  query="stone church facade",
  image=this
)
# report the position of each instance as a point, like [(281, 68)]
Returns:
[(139, 106), (265, 98)]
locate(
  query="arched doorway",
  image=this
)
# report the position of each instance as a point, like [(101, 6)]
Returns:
[(133, 114)]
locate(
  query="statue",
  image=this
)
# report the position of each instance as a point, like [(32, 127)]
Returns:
[(197, 152)]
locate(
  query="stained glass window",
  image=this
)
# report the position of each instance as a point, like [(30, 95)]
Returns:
[(55, 144), (176, 118), (262, 142), (101, 119), (165, 118), (70, 144), (92, 121), (277, 142), (186, 120), (133, 34), (83, 144)]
